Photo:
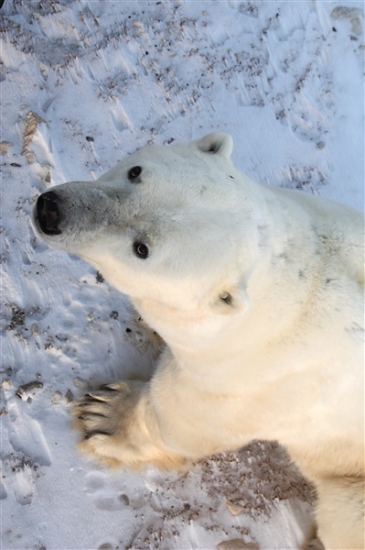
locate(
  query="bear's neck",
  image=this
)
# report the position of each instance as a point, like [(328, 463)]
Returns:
[(205, 341), (211, 345)]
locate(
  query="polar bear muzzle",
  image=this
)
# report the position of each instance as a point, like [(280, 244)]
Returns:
[(67, 214)]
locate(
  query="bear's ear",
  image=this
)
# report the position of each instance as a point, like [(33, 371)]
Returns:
[(217, 143), (232, 301)]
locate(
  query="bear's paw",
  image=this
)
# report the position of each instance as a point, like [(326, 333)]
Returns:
[(112, 422)]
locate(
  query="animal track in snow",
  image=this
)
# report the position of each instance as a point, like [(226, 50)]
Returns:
[(23, 486), (28, 438), (104, 492), (25, 434), (3, 491), (19, 474)]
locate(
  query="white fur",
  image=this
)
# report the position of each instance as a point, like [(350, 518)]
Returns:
[(258, 294)]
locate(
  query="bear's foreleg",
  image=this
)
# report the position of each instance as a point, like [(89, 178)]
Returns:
[(119, 427), (340, 513)]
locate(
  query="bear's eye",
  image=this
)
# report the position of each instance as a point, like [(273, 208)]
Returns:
[(140, 250), (134, 172)]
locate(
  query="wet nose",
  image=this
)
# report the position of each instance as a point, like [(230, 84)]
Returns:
[(48, 213)]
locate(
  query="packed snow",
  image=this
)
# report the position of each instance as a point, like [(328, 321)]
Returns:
[(83, 84)]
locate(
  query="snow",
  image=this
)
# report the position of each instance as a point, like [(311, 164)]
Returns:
[(84, 83)]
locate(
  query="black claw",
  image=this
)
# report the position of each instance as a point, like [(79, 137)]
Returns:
[(94, 397), (85, 416), (96, 432), (108, 387)]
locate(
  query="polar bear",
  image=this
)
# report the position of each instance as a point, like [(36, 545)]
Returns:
[(257, 293)]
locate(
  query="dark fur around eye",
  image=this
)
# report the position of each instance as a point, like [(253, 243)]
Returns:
[(134, 172), (140, 250)]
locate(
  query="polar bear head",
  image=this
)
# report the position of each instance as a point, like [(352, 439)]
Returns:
[(173, 225)]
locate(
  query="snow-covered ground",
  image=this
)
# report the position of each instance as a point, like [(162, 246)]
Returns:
[(84, 83)]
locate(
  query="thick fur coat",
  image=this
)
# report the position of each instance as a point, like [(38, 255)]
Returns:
[(258, 294)]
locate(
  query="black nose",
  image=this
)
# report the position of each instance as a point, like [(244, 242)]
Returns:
[(48, 213)]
